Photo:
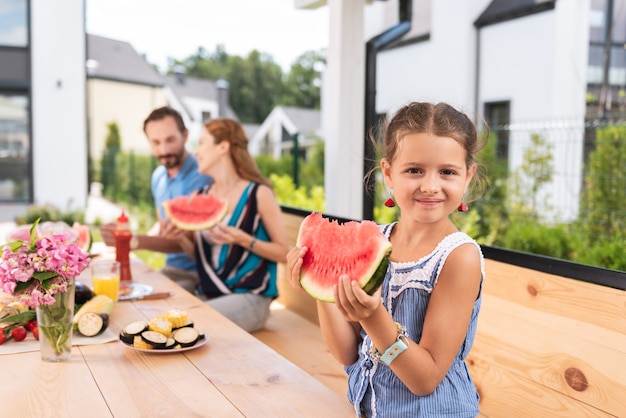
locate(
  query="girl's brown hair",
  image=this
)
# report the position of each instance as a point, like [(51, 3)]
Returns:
[(229, 130)]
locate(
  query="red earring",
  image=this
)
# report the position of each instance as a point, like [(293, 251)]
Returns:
[(463, 207), (390, 203)]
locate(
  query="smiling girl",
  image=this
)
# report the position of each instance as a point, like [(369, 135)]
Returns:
[(404, 347)]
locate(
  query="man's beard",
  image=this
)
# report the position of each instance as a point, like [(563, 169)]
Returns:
[(171, 160)]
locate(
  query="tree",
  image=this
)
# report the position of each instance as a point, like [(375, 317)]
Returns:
[(604, 193), (255, 86), (112, 146), (527, 182), (303, 83), (257, 83)]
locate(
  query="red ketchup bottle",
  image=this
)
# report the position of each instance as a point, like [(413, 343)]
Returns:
[(123, 235)]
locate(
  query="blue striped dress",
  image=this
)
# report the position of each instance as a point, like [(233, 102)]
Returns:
[(373, 388), (226, 269)]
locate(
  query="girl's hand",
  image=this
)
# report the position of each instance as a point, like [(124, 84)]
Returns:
[(294, 264), (353, 302)]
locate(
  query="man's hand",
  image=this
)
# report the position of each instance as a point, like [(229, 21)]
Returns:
[(106, 231)]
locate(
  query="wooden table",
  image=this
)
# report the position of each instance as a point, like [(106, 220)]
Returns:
[(233, 375)]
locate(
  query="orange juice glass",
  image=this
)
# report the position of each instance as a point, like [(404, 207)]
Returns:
[(105, 278)]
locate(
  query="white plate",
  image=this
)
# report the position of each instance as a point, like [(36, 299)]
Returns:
[(200, 343), (137, 290)]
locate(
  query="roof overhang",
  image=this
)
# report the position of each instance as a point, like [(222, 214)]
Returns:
[(315, 4)]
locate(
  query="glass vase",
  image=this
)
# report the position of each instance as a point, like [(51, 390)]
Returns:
[(55, 326)]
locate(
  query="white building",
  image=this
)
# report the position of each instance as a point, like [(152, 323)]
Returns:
[(42, 105), (515, 62), (520, 63), (276, 134)]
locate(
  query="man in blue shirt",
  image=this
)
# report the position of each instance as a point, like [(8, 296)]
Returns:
[(176, 176)]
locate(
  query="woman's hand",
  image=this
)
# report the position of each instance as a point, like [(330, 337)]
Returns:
[(170, 231), (222, 234), (353, 302), (294, 264)]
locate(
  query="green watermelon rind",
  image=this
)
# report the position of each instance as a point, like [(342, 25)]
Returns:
[(176, 215), (370, 280), (378, 277)]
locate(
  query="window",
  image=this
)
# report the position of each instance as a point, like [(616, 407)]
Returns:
[(606, 68), (13, 23), (15, 182), (15, 142), (498, 115)]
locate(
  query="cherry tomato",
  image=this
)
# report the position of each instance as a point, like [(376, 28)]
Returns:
[(35, 332), (31, 324), (18, 333), (3, 338)]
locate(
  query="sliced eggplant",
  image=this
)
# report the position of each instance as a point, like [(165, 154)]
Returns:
[(186, 336), (135, 328), (169, 344), (127, 338), (127, 335), (91, 324), (187, 325), (155, 339)]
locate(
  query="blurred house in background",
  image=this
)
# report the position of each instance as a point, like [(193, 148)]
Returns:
[(535, 67), (276, 134), (124, 88), (197, 100)]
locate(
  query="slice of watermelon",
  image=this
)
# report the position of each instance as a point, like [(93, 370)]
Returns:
[(356, 249), (193, 213), (44, 229), (84, 236)]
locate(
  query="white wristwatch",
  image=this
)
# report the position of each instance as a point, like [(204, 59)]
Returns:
[(134, 242), (394, 350)]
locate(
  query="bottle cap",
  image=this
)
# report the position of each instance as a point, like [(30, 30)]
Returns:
[(122, 218)]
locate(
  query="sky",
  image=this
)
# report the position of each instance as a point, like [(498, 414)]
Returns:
[(176, 28)]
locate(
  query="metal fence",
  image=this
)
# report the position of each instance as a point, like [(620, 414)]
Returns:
[(550, 162)]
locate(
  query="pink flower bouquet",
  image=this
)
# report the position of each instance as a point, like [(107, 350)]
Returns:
[(34, 271)]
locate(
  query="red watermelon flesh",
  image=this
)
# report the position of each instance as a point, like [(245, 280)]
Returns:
[(192, 213), (84, 236), (356, 249)]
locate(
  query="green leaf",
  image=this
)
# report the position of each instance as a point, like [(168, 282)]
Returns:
[(15, 245), (44, 275), (33, 228), (20, 318), (21, 286)]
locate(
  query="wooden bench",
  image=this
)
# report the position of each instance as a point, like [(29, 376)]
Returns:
[(293, 328), (300, 341), (546, 345)]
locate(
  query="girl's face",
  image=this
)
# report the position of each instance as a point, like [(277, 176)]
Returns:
[(428, 176), (208, 153)]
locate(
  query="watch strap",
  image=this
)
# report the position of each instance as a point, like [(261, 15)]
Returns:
[(393, 351), (390, 354)]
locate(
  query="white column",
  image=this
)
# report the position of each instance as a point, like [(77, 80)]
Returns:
[(343, 110), (58, 103)]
